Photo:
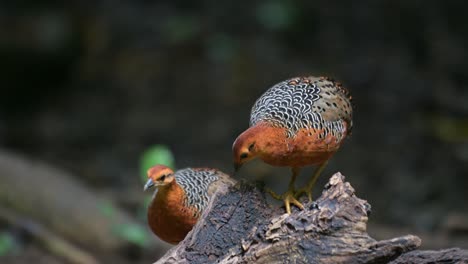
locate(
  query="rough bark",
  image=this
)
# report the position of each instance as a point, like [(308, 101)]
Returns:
[(240, 227), (451, 255)]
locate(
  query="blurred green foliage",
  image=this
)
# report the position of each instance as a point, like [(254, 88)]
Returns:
[(7, 244), (157, 154), (107, 208), (222, 47), (181, 28), (133, 233), (449, 129), (276, 15)]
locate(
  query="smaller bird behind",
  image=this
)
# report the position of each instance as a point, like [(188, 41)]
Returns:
[(180, 199)]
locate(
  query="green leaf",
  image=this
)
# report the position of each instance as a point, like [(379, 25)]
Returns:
[(157, 154)]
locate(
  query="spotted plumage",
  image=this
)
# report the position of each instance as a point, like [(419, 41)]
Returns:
[(196, 182), (303, 103), (296, 123)]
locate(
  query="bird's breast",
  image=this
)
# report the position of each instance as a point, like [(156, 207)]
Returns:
[(169, 218), (306, 147)]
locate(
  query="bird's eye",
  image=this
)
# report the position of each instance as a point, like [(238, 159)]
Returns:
[(244, 155), (251, 146), (162, 178)]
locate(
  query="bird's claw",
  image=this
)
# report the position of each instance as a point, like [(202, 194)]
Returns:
[(288, 198), (302, 191)]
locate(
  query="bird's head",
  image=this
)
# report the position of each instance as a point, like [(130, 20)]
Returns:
[(244, 149), (159, 176)]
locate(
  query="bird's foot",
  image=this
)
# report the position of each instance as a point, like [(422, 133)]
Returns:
[(304, 190), (273, 194), (310, 185), (288, 199)]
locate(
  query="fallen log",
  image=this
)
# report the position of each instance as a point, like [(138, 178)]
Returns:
[(451, 255), (61, 203), (240, 227)]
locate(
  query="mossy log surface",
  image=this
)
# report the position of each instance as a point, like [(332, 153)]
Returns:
[(240, 227)]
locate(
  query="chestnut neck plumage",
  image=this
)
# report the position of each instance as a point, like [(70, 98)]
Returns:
[(168, 216), (274, 147), (267, 138)]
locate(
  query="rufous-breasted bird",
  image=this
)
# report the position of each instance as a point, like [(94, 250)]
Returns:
[(298, 122), (180, 198)]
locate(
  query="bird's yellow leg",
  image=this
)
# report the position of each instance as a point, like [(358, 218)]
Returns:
[(288, 197), (310, 184)]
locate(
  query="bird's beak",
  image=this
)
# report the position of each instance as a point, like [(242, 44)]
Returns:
[(148, 185)]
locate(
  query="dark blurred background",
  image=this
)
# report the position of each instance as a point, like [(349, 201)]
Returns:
[(88, 86)]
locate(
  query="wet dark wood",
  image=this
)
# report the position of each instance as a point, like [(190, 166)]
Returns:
[(240, 227)]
